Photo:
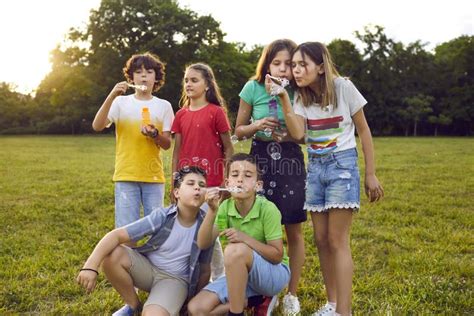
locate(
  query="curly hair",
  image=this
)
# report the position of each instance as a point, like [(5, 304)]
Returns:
[(149, 61)]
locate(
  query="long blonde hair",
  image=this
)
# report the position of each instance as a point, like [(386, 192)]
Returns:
[(319, 54)]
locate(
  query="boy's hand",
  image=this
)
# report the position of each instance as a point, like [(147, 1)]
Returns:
[(373, 188), (233, 235), (120, 88), (212, 199), (150, 130), (87, 279)]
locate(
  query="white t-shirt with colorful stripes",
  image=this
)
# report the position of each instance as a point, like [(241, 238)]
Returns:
[(331, 129)]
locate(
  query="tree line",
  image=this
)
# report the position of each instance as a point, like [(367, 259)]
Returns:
[(410, 90)]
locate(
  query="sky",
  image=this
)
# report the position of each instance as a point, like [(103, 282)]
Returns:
[(30, 29)]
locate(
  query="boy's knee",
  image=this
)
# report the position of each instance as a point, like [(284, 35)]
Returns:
[(235, 251), (118, 256), (196, 308)]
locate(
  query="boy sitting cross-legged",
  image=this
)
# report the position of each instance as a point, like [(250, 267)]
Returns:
[(254, 258), (169, 265)]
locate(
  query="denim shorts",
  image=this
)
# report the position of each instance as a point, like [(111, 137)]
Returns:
[(265, 278), (130, 195), (333, 182)]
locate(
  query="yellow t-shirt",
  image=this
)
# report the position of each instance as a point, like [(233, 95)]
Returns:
[(137, 157)]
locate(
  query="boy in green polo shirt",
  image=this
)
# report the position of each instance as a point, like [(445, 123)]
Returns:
[(254, 257)]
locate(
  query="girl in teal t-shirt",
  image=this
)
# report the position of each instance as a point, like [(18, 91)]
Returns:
[(277, 154)]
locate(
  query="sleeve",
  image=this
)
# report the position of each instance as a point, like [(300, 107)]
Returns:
[(176, 126), (147, 225), (222, 122), (168, 117), (298, 107), (354, 99), (221, 220), (114, 111), (272, 222), (247, 92)]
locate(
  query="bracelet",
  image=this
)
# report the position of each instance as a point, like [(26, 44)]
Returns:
[(154, 133), (86, 269)]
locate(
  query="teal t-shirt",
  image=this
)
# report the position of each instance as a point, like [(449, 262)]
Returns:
[(263, 222), (255, 95)]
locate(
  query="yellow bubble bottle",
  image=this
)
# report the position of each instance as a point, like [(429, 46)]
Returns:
[(146, 119)]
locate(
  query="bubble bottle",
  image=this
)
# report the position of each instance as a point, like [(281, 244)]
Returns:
[(146, 119)]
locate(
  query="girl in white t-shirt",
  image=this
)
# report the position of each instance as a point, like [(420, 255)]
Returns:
[(326, 111)]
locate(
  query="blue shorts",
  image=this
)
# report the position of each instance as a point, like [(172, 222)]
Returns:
[(129, 195), (333, 182), (265, 278)]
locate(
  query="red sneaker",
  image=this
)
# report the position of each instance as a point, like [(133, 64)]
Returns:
[(266, 308)]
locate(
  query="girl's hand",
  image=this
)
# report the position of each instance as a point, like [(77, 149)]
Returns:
[(87, 279), (274, 88), (120, 88), (234, 235), (266, 122), (373, 188), (281, 135), (212, 199)]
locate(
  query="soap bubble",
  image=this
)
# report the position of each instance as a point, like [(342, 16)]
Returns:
[(269, 191), (205, 162), (234, 139), (275, 156), (273, 184), (291, 192), (195, 159)]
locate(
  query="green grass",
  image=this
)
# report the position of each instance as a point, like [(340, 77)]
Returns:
[(413, 252)]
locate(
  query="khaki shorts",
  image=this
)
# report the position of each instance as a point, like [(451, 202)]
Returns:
[(165, 290)]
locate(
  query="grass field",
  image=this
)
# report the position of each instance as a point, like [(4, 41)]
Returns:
[(413, 252)]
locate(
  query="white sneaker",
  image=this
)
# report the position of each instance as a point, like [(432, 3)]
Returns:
[(291, 305), (326, 310)]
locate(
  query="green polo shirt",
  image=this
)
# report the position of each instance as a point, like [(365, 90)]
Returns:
[(263, 222)]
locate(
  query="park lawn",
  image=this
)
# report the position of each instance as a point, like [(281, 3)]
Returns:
[(413, 252)]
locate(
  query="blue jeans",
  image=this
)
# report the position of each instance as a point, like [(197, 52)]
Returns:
[(333, 181), (130, 195)]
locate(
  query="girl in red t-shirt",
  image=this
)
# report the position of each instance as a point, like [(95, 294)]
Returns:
[(201, 132), (201, 129)]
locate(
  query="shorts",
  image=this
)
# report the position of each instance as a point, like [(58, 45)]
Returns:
[(166, 290), (265, 278), (283, 178), (333, 182)]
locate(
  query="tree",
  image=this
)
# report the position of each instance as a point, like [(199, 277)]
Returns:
[(346, 57), (439, 120), (455, 85), (376, 82), (418, 107), (15, 108)]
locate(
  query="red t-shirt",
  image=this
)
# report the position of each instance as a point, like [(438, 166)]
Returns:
[(201, 144)]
